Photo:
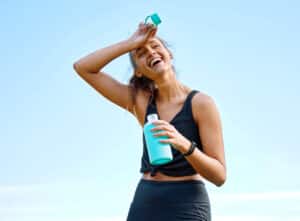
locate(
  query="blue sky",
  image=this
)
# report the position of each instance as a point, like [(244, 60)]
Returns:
[(69, 154)]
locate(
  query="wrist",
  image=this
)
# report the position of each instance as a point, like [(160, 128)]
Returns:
[(185, 148), (131, 44), (191, 148)]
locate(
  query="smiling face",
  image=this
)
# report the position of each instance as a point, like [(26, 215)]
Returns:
[(152, 59)]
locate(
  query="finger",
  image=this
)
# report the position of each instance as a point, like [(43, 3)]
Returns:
[(162, 127), (150, 28), (169, 141), (149, 25), (157, 122), (164, 133), (143, 27), (153, 32)]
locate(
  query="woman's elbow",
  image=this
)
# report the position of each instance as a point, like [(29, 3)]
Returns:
[(76, 67), (221, 179), (219, 183)]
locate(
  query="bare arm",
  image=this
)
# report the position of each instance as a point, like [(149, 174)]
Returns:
[(89, 67), (94, 62), (211, 162)]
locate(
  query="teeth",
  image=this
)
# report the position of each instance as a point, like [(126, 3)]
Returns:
[(153, 61)]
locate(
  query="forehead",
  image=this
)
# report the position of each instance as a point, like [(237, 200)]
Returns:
[(150, 41)]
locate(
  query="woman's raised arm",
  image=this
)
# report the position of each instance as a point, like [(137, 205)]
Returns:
[(89, 67)]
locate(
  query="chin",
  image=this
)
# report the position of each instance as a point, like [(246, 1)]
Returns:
[(163, 69), (159, 72)]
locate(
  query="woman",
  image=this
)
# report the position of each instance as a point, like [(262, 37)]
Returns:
[(190, 119)]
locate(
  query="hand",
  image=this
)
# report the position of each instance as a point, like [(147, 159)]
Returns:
[(175, 138), (142, 34)]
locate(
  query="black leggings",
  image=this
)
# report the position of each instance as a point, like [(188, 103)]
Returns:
[(170, 200)]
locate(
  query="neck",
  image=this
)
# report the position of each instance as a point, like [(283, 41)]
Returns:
[(169, 88)]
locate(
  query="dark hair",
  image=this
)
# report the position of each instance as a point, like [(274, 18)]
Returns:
[(143, 83)]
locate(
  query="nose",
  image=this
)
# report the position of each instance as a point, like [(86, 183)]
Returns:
[(151, 51)]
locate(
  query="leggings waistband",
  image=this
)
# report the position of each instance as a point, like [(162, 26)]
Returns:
[(145, 181)]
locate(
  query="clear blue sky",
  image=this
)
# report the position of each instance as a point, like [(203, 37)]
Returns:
[(69, 154)]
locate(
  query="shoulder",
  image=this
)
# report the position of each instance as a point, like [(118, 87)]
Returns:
[(202, 105), (202, 100)]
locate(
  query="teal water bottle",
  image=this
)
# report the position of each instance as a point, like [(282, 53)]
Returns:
[(153, 19), (159, 153)]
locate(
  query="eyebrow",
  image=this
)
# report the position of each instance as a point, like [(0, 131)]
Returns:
[(154, 41), (151, 41)]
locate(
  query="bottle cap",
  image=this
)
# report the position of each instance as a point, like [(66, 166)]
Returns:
[(152, 117), (155, 19)]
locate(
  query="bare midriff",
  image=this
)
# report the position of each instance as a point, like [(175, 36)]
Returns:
[(161, 177)]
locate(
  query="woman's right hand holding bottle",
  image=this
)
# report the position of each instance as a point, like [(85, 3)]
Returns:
[(142, 34)]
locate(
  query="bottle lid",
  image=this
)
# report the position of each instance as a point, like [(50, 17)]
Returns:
[(155, 19), (152, 117)]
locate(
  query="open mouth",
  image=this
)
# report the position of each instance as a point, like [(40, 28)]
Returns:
[(154, 62)]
